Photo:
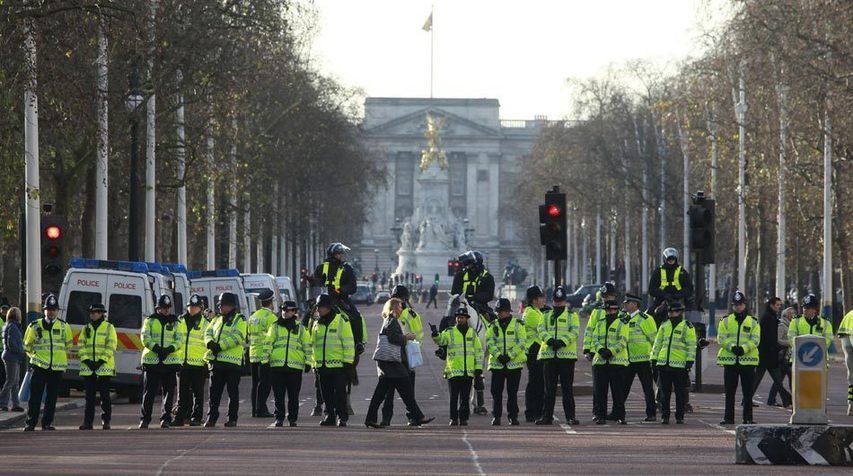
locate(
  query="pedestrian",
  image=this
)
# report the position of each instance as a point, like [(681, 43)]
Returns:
[(224, 339), (738, 335), (768, 352), (160, 361), (810, 323), (609, 338), (673, 354), (96, 347), (287, 347), (784, 352), (47, 342), (13, 359), (411, 323), (642, 330), (333, 348), (558, 335), (258, 324), (464, 362), (192, 327), (391, 362), (845, 332), (505, 338), (4, 310), (534, 393), (433, 294)]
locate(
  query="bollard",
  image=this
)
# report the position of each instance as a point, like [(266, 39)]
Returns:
[(809, 381)]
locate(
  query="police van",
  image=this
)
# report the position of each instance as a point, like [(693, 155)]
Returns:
[(210, 284), (258, 282), (129, 291), (285, 288), (181, 292)]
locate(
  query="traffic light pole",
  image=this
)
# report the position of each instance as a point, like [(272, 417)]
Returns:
[(699, 291), (557, 274)]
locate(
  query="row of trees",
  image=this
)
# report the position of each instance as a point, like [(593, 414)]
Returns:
[(774, 81), (233, 117)]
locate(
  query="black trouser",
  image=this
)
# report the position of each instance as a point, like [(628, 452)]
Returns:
[(534, 393), (94, 385), (2, 367), (778, 383), (460, 393), (318, 392), (43, 381), (560, 371), (480, 387), (333, 384), (433, 302), (731, 374), (157, 378), (191, 393), (512, 378), (643, 370), (612, 377), (222, 376), (385, 387), (260, 388), (286, 382), (785, 371), (668, 378), (388, 403)]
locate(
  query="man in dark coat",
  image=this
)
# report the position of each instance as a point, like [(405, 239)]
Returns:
[(768, 350)]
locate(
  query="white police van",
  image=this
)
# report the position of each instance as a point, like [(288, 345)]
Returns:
[(181, 292), (259, 282), (210, 284), (286, 289)]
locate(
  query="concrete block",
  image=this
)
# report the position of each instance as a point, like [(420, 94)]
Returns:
[(827, 445)]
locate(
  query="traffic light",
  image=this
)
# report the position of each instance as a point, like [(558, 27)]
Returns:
[(552, 225), (702, 232), (52, 262), (451, 267)]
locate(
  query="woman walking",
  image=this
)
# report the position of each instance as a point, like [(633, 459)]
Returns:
[(390, 357), (13, 359)]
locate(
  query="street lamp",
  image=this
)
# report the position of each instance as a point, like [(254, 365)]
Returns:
[(376, 263), (134, 99)]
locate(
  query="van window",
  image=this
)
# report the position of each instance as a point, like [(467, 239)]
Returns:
[(77, 311), (125, 311), (179, 303), (285, 294)]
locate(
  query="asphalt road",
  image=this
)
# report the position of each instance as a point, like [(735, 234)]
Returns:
[(698, 447)]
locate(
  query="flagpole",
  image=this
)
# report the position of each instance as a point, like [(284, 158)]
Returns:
[(431, 49)]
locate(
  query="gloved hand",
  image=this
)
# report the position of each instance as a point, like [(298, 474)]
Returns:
[(587, 354), (478, 373), (90, 364), (559, 344), (503, 359), (434, 329), (99, 364), (169, 350), (307, 368), (689, 366), (214, 347), (441, 353), (737, 350), (359, 348), (552, 343), (605, 353), (702, 343), (157, 349)]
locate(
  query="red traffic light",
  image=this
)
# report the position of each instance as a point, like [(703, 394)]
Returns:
[(554, 211), (53, 232)]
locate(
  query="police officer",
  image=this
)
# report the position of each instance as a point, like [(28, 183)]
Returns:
[(259, 323), (505, 338), (606, 293), (464, 362), (192, 327), (534, 393), (160, 361), (810, 323), (610, 340), (673, 354), (224, 339), (670, 283), (642, 331), (738, 335), (97, 346), (333, 347), (845, 332), (287, 348), (411, 322), (558, 334), (47, 342)]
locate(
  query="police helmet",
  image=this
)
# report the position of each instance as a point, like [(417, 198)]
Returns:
[(400, 292), (462, 311), (467, 259), (165, 301), (265, 295), (676, 306), (51, 303), (290, 306), (533, 292), (503, 305), (195, 300), (738, 298), (478, 256), (611, 304), (810, 300), (335, 248), (559, 294), (608, 288), (324, 300), (670, 253), (228, 299), (97, 307)]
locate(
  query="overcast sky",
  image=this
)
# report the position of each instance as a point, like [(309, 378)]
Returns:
[(518, 51)]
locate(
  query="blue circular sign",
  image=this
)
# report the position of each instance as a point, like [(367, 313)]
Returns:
[(810, 354)]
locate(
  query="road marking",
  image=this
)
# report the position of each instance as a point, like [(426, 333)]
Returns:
[(474, 458), (718, 427), (568, 429), (181, 455)]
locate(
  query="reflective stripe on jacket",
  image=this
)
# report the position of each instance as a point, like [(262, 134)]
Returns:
[(464, 352), (98, 344), (48, 348), (564, 328), (287, 348), (412, 321), (642, 330), (613, 337), (676, 279), (193, 349), (800, 327), (259, 323), (596, 315), (731, 333), (532, 318), (675, 346), (509, 342), (333, 344), (155, 332), (231, 337)]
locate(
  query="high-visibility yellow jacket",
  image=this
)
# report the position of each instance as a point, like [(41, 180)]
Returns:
[(532, 318), (412, 321), (731, 333), (259, 323), (596, 315), (642, 330), (800, 326), (193, 348), (613, 337), (674, 346), (287, 348), (509, 342), (464, 352), (230, 334), (98, 344), (844, 329), (48, 347), (163, 333), (563, 327), (333, 344)]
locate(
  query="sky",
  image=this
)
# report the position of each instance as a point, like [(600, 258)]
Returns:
[(520, 52)]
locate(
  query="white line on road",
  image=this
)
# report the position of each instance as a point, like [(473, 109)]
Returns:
[(718, 427), (181, 455), (568, 429), (474, 458)]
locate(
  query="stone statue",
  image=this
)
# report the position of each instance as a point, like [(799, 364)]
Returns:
[(406, 239), (459, 240)]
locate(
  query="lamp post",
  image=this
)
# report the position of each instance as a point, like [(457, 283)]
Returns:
[(134, 99), (376, 261)]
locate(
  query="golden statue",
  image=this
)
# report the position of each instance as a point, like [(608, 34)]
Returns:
[(433, 151)]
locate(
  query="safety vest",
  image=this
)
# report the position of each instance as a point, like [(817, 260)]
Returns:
[(230, 336), (844, 329), (412, 321), (259, 323), (469, 286), (800, 327), (335, 281), (613, 337), (193, 348), (154, 332), (509, 342), (287, 348), (47, 348), (675, 346), (98, 344), (596, 315), (333, 343), (2, 324), (641, 336), (532, 318), (565, 328), (464, 352), (676, 279), (732, 333)]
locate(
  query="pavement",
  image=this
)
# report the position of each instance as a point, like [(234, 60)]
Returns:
[(700, 446)]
